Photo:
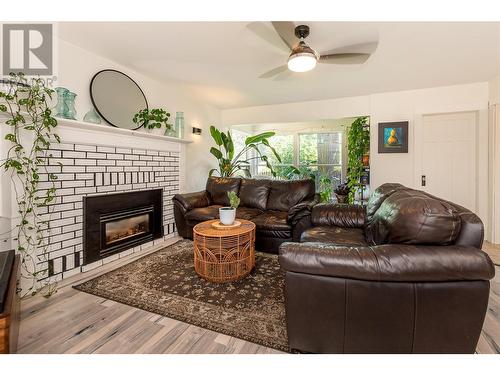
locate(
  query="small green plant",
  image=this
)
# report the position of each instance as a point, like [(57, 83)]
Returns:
[(152, 118), (234, 201), (342, 189), (358, 143), (326, 188), (290, 172), (229, 164)]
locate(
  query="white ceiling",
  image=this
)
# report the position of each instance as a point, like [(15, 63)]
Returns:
[(221, 61)]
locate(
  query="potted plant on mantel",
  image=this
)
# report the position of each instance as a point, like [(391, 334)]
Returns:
[(152, 119), (227, 215)]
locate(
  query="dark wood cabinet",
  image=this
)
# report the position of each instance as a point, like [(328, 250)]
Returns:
[(9, 318)]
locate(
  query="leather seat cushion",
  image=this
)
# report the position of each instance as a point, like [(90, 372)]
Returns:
[(203, 213), (335, 235), (247, 213), (263, 233), (272, 220)]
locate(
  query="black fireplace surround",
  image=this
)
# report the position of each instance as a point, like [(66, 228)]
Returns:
[(116, 222)]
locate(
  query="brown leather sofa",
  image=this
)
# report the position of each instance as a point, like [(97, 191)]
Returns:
[(406, 274), (279, 209)]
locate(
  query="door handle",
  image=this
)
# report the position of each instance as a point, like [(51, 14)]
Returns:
[(423, 180)]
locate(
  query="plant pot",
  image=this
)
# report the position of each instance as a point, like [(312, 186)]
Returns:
[(366, 160), (341, 198), (227, 215)]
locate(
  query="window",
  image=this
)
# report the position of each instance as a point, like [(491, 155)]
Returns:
[(322, 154), (283, 144), (314, 153)]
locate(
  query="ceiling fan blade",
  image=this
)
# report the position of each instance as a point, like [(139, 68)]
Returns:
[(344, 58), (283, 75), (275, 71), (267, 33), (368, 48), (286, 30)]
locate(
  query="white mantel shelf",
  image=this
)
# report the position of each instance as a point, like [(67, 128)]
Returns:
[(62, 123)]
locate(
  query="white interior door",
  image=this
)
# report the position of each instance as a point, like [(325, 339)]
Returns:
[(449, 157)]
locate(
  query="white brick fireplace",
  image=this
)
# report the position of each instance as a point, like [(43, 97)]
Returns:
[(100, 159)]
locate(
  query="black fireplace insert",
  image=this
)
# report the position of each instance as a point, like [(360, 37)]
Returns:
[(117, 222)]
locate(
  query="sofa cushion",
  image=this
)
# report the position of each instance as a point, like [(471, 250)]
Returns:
[(415, 218), (254, 193), (272, 220), (335, 236), (218, 187), (378, 196), (281, 234), (286, 194), (247, 213), (340, 215), (203, 213)]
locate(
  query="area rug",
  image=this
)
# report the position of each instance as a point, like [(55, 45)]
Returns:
[(165, 283)]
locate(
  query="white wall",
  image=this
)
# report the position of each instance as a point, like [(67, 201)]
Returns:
[(77, 66), (392, 106)]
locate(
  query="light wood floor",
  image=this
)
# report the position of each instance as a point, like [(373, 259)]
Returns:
[(76, 322)]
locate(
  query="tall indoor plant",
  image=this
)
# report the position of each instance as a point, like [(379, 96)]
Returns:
[(358, 143), (25, 108), (229, 163)]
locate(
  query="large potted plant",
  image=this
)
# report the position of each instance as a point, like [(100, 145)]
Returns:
[(358, 144), (231, 164), (227, 215)]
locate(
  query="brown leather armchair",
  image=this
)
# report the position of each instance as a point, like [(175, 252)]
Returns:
[(279, 209), (406, 274)]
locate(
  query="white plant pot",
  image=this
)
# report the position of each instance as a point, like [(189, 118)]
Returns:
[(227, 215)]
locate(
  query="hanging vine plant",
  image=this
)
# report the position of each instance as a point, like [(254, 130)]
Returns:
[(358, 143), (26, 112)]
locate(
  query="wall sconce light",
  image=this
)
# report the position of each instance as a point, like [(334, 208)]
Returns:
[(196, 131)]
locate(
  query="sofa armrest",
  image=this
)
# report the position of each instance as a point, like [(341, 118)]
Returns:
[(391, 262), (189, 201), (300, 210), (339, 215)]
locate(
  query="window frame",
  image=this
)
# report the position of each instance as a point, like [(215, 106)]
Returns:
[(296, 151)]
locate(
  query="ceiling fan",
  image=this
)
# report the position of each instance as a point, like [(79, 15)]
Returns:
[(303, 58)]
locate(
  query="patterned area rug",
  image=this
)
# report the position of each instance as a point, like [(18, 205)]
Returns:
[(165, 283)]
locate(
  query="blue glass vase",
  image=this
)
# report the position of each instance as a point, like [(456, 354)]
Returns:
[(69, 100), (179, 124), (92, 116), (61, 108)]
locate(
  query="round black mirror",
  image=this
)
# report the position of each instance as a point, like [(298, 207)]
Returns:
[(117, 98)]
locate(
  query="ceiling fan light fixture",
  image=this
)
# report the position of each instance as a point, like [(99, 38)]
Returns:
[(303, 58), (302, 62)]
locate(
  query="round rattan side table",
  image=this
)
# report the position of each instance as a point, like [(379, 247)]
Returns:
[(222, 255)]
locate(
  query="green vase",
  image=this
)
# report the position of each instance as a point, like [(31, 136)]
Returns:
[(92, 116), (69, 100), (61, 108)]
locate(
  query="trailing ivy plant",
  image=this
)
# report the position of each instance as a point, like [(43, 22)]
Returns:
[(358, 143), (26, 107), (230, 164)]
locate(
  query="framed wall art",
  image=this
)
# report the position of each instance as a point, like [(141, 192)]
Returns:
[(393, 137)]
